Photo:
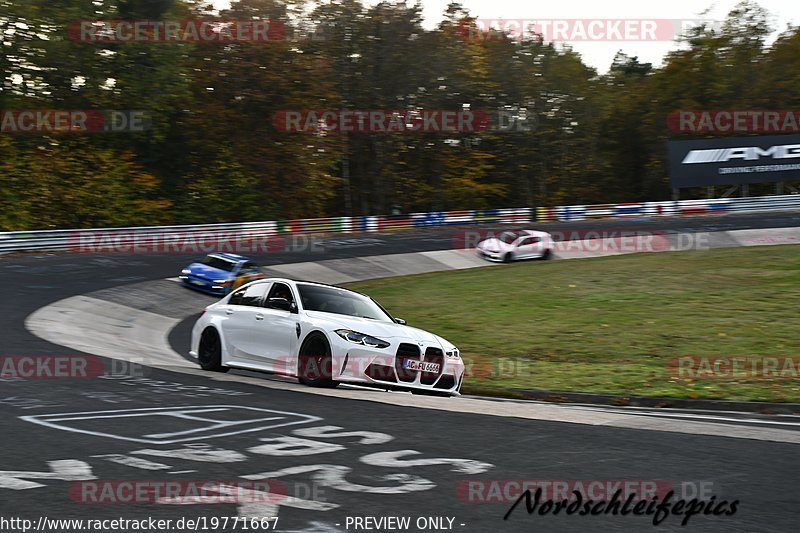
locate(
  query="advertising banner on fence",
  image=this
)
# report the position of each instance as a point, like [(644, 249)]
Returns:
[(732, 161)]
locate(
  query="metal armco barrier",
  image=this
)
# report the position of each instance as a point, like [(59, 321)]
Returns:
[(568, 213), (85, 239), (80, 239)]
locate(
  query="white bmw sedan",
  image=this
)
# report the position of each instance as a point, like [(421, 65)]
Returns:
[(323, 335), (512, 245)]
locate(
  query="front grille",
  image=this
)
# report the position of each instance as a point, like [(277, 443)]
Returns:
[(406, 351), (432, 355)]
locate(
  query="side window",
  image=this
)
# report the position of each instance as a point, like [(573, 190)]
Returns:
[(281, 290), (535, 240), (236, 298), (251, 296), (525, 242)]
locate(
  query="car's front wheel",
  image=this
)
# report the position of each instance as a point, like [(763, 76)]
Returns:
[(209, 353), (508, 257), (315, 363)]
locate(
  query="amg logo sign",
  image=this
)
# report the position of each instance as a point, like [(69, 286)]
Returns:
[(734, 160), (748, 153)]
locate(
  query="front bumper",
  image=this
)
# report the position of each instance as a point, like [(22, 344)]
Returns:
[(491, 256), (204, 285), (387, 368)]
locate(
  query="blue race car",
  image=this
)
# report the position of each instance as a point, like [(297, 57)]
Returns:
[(220, 273)]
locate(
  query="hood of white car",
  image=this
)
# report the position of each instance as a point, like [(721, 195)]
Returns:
[(494, 244), (375, 328)]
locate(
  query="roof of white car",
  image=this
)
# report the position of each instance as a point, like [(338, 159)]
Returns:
[(289, 280), (304, 282), (535, 233)]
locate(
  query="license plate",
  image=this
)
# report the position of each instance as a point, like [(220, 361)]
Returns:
[(413, 364), (196, 282)]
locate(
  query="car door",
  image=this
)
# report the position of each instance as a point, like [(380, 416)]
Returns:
[(536, 247), (277, 329), (524, 248), (241, 321)]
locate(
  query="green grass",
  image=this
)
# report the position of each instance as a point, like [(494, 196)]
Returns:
[(609, 325)]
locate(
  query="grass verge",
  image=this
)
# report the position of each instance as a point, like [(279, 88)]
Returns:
[(611, 325)]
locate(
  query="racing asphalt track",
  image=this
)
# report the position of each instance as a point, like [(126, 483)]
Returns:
[(761, 474)]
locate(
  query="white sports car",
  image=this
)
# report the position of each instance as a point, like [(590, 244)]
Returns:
[(517, 244), (323, 335)]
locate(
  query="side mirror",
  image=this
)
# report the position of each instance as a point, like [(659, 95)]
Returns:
[(400, 321), (281, 303)]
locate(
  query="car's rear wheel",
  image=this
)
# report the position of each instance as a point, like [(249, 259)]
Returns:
[(315, 363), (209, 353), (548, 254)]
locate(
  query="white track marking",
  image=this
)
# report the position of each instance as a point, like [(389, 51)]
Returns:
[(64, 470), (216, 429), (215, 426), (204, 454), (293, 446), (326, 432), (393, 460), (135, 462)]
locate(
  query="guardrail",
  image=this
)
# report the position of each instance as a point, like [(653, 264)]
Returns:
[(163, 236), (567, 213)]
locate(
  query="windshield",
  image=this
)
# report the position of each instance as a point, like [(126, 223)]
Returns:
[(509, 237), (340, 302), (217, 262)]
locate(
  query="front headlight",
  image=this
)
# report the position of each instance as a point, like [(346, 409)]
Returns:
[(361, 338), (222, 281), (186, 271)]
